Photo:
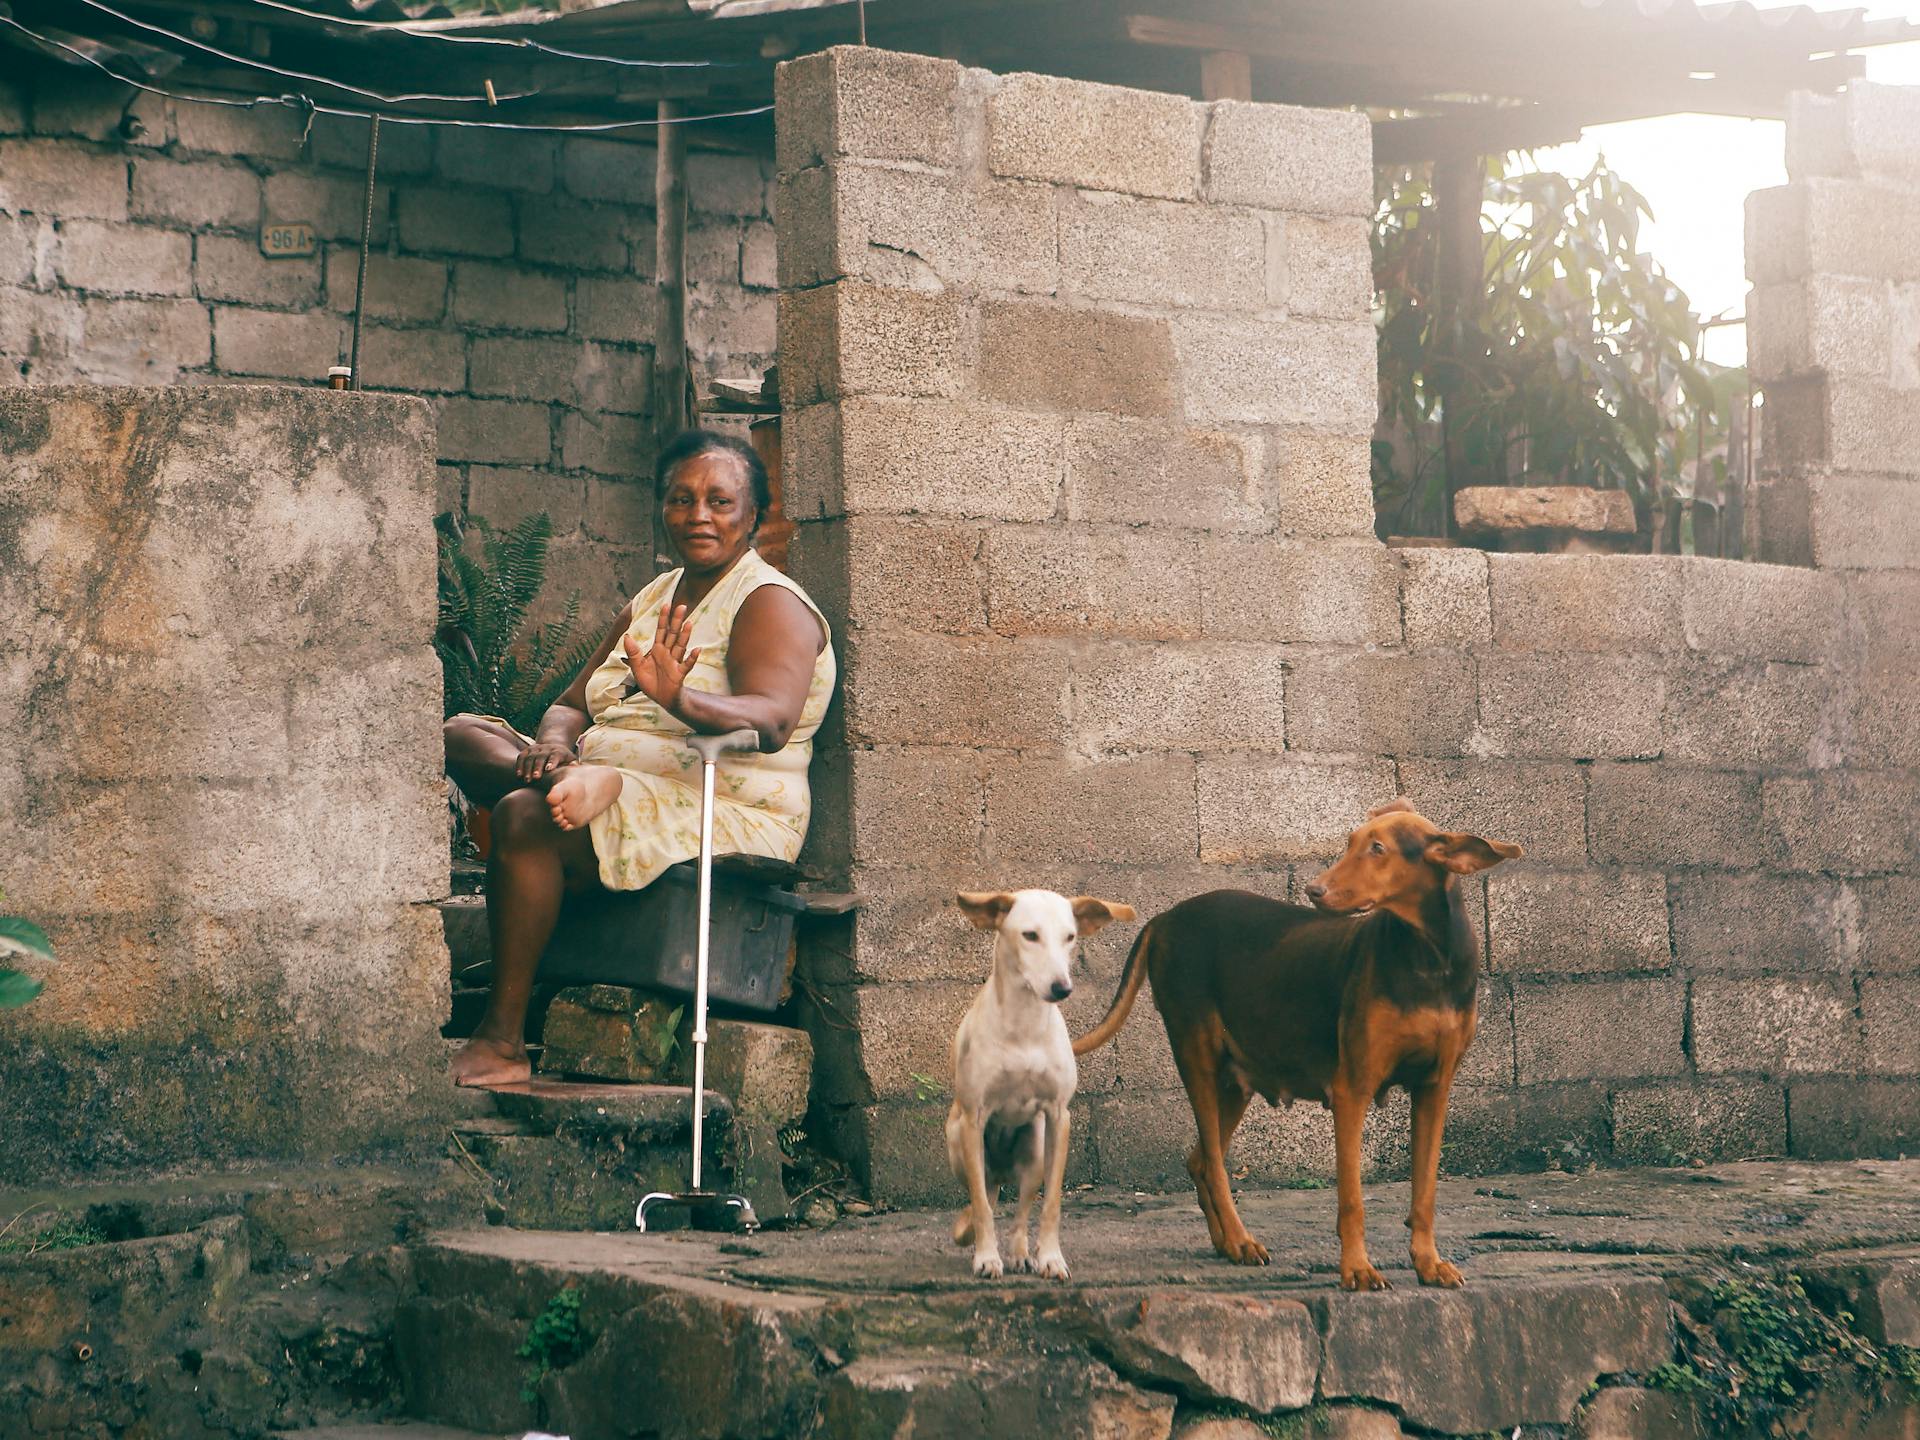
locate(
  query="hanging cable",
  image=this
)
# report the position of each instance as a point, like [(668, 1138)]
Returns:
[(512, 42)]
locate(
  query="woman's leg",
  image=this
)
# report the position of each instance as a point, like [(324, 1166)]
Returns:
[(480, 758), (532, 866)]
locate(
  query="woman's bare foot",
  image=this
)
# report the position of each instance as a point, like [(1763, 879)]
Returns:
[(582, 792), (483, 1062)]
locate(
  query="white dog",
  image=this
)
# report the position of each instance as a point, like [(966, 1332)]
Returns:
[(1014, 1072)]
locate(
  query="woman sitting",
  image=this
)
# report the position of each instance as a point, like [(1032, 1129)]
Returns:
[(608, 793)]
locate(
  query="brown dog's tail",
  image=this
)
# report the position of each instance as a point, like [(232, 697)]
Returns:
[(1116, 1016)]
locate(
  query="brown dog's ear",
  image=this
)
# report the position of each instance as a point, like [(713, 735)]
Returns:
[(1465, 854), (985, 908), (1399, 802), (1091, 914)]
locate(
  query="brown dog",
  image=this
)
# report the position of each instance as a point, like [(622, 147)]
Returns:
[(1375, 987)]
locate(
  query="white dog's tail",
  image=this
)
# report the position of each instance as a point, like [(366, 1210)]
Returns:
[(1116, 1016)]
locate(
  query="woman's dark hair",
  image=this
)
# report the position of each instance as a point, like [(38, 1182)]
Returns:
[(691, 444)]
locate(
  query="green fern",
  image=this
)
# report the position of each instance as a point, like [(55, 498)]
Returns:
[(495, 663)]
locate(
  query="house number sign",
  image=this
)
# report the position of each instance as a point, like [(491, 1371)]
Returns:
[(287, 241)]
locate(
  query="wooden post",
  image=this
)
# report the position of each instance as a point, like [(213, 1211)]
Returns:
[(1226, 75), (670, 271)]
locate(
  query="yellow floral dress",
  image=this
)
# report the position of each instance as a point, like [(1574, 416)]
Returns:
[(761, 802)]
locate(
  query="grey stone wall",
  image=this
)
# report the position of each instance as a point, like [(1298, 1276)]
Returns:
[(511, 283), (220, 786), (1079, 384)]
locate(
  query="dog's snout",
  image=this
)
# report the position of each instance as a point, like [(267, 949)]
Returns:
[(1316, 891), (1060, 991)]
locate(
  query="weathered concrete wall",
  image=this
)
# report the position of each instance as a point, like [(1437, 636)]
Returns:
[(511, 283), (1079, 387), (220, 782)]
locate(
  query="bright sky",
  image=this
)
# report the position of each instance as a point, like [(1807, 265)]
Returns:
[(1696, 172)]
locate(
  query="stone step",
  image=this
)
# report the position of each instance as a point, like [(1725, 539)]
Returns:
[(401, 1430)]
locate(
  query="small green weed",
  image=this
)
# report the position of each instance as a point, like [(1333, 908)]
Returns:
[(1676, 1379), (1303, 1182), (63, 1234), (927, 1088), (554, 1341)]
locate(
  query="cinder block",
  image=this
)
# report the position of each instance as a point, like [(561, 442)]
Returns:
[(62, 180), (1841, 424), (494, 432), (229, 267), (1286, 157), (1260, 810), (1887, 1006), (293, 347), (1832, 227), (1669, 815), (275, 132), (1557, 922), (200, 194), (1624, 603), (1040, 356), (1098, 137), (764, 1070), (868, 104), (907, 1030), (341, 142), (1537, 805), (586, 237), (1889, 922), (919, 806), (901, 688), (458, 222), (1489, 1061), (1241, 371), (21, 239), (851, 338), (618, 445), (97, 107), (1322, 486), (1846, 1119), (1380, 704), (1144, 472), (1329, 267), (504, 297), (124, 259), (618, 170), (529, 369), (421, 360), (1491, 1130), (1824, 325), (1779, 1026), (1444, 595), (730, 330), (143, 342), (1743, 610), (1678, 1121), (1756, 921), (1138, 809), (399, 287), (1862, 522), (1880, 719), (1759, 716), (1882, 131), (334, 205), (498, 159), (759, 258), (1843, 822), (1601, 1029), (722, 183), (610, 309), (1339, 593), (1060, 580), (505, 495), (1158, 696), (924, 575), (1581, 706), (908, 927), (1883, 606), (928, 456), (619, 510), (1155, 252)]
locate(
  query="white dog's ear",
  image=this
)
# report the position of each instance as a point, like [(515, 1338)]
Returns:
[(1091, 914), (985, 908)]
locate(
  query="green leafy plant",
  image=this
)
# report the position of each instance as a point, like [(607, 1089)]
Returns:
[(64, 1234), (23, 938), (554, 1341), (927, 1088), (494, 661)]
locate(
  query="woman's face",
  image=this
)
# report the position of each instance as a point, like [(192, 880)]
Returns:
[(709, 511)]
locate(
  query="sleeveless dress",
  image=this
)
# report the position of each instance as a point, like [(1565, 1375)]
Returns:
[(761, 802)]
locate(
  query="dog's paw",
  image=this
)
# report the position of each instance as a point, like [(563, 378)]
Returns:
[(987, 1266), (1050, 1265), (1442, 1274), (1363, 1277), (1244, 1250)]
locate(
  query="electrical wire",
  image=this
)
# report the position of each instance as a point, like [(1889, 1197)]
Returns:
[(302, 102)]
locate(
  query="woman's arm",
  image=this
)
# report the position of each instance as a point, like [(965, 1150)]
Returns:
[(770, 654), (566, 719)]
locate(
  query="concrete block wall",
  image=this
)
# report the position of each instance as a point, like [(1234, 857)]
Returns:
[(220, 787), (1079, 383), (511, 283)]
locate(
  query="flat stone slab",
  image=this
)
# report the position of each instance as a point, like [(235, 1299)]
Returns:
[(1569, 509), (654, 1111), (391, 1432)]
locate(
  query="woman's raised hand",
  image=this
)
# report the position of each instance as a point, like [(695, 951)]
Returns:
[(661, 671)]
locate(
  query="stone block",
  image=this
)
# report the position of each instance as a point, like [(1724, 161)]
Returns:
[(1492, 1130), (505, 495), (1862, 522), (335, 206), (1259, 1352), (1158, 253), (292, 347), (199, 194), (1882, 1294), (1759, 716), (1538, 805), (722, 183), (1883, 606), (1489, 1061), (504, 297), (907, 1031), (1242, 371), (600, 169), (459, 222), (1145, 472), (759, 258), (1832, 227), (920, 806), (229, 267), (494, 432), (1287, 157), (1051, 357), (851, 338), (1053, 809), (1097, 137), (1662, 814), (1882, 131), (419, 360), (1329, 266), (21, 240), (731, 330), (549, 370), (1576, 922), (265, 132), (1624, 603), (1581, 706), (1843, 822), (616, 445), (763, 1070), (1889, 922), (62, 180), (885, 572), (1444, 596), (142, 342), (614, 1032), (1823, 325), (616, 309), (1851, 1118), (1756, 921), (124, 259), (1743, 610), (399, 287), (865, 104), (908, 689), (1846, 424), (1599, 1029), (1887, 1007), (1514, 510), (1061, 580), (1338, 593), (1254, 810), (500, 159), (586, 237), (1389, 704), (1159, 696), (1676, 1121), (1784, 1025), (1321, 486)]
